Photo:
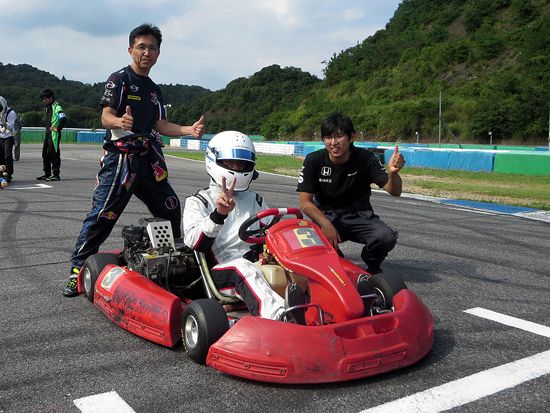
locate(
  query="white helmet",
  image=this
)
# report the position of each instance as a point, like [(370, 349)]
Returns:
[(231, 145), (3, 106)]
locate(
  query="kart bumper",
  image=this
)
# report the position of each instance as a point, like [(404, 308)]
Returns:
[(272, 351)]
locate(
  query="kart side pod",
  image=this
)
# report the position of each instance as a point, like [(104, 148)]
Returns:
[(139, 305)]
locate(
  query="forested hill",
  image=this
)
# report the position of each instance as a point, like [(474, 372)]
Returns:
[(489, 60)]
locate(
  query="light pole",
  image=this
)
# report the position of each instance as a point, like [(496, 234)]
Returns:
[(166, 109), (490, 138), (416, 137), (361, 136), (439, 118)]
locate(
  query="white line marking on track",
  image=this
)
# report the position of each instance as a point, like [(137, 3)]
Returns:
[(103, 403), (469, 389), (511, 321), (37, 186)]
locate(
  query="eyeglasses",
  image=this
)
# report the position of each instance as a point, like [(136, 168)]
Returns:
[(336, 137), (142, 48)]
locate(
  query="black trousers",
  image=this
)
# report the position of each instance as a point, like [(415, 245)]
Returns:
[(365, 227), (51, 156), (6, 157)]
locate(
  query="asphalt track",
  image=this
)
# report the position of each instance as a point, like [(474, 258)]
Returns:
[(483, 273)]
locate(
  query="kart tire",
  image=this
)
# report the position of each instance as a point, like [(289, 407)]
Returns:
[(91, 269), (386, 286), (202, 324)]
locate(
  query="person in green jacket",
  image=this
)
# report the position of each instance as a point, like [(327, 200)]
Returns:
[(55, 122)]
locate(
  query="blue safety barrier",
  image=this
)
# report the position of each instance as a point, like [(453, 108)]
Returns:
[(458, 160), (90, 137)]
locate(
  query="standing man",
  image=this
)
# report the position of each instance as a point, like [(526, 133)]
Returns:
[(55, 122), (133, 162), (7, 125), (17, 138), (335, 191)]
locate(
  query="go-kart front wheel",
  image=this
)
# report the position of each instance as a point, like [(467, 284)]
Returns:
[(91, 269), (202, 324), (386, 286)]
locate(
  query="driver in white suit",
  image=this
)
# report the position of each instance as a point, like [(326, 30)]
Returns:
[(211, 221)]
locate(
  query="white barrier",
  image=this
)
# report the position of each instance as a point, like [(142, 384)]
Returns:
[(274, 148)]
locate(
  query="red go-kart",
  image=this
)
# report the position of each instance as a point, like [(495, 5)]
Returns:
[(159, 289)]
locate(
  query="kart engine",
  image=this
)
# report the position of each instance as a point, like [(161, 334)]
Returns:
[(151, 250)]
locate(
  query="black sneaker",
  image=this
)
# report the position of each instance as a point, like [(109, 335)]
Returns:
[(42, 178), (374, 270), (71, 290), (294, 297), (53, 178)]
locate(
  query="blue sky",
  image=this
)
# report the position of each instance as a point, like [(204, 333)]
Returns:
[(207, 43)]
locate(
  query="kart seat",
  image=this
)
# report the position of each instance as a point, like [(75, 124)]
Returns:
[(273, 274)]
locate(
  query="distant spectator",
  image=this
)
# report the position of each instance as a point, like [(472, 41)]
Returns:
[(7, 124), (17, 138), (55, 122)]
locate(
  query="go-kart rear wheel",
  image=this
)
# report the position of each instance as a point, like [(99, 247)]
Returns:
[(91, 269), (202, 324), (386, 286)]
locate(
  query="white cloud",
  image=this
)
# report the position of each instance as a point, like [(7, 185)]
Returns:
[(353, 14), (207, 43)]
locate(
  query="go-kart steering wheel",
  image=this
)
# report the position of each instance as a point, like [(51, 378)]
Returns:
[(247, 235)]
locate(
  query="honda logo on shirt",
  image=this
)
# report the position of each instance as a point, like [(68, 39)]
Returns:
[(326, 171)]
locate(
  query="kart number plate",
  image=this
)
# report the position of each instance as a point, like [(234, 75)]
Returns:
[(110, 278), (307, 237)]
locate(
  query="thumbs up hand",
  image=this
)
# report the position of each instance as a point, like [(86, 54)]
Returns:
[(198, 129), (127, 119), (396, 162)]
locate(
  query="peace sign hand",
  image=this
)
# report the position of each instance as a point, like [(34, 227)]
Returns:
[(225, 203)]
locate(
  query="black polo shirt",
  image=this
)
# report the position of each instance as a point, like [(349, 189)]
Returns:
[(346, 185)]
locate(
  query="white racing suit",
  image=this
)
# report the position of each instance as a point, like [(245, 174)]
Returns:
[(216, 235)]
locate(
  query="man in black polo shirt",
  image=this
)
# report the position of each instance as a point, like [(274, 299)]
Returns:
[(335, 191)]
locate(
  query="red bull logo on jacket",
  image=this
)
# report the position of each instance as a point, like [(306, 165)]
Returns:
[(160, 173)]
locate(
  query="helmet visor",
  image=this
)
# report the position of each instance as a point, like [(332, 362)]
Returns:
[(241, 154)]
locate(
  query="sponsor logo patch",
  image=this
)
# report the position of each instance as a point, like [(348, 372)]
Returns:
[(171, 202)]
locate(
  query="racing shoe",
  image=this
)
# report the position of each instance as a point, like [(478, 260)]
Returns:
[(42, 177), (53, 178), (71, 289), (374, 270), (294, 296)]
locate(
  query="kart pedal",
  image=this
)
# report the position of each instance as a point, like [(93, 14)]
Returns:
[(365, 288), (160, 233), (295, 301)]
